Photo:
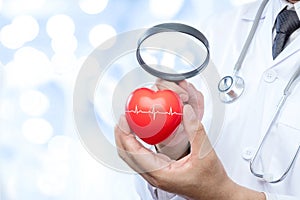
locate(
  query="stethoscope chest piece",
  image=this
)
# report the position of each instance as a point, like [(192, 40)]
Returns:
[(230, 88)]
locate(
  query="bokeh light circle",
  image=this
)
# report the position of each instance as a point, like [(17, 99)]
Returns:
[(165, 9), (64, 45), (60, 26), (23, 29), (34, 103), (10, 37), (29, 67), (92, 6), (100, 34), (37, 130), (27, 27)]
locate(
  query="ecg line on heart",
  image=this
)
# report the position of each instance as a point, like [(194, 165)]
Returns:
[(153, 112)]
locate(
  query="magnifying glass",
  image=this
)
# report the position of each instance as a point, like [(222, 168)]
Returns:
[(173, 51)]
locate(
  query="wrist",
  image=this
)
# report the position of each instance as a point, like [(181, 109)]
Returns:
[(175, 146), (174, 152), (227, 189), (242, 193)]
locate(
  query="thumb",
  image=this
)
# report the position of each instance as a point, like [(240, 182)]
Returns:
[(194, 129)]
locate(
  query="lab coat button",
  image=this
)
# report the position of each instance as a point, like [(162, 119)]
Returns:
[(270, 76), (248, 153)]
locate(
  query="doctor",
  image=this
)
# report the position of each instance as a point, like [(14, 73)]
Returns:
[(224, 172)]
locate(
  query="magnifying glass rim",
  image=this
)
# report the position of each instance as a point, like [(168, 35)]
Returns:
[(173, 27)]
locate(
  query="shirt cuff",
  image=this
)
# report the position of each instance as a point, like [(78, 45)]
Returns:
[(270, 196), (159, 194)]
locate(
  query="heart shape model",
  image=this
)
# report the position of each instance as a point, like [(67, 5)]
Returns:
[(153, 115)]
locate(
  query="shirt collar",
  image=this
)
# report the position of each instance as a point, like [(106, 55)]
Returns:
[(295, 6), (279, 5), (249, 11)]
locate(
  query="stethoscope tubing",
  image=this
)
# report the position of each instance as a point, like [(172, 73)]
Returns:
[(249, 39), (232, 92), (227, 95), (278, 110), (287, 91)]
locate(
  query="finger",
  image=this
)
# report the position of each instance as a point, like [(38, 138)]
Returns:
[(196, 100), (140, 159), (134, 153), (166, 85), (154, 87), (122, 128), (194, 129), (174, 138), (176, 145), (183, 84)]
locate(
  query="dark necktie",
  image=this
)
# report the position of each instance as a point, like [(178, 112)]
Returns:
[(286, 23)]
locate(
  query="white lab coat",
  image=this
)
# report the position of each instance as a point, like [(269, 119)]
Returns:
[(248, 119)]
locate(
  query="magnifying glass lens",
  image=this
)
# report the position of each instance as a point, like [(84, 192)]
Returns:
[(173, 52)]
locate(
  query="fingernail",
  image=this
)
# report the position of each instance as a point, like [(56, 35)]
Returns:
[(189, 113), (184, 97)]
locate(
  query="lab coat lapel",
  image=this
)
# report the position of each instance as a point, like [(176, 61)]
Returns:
[(288, 51), (264, 36), (284, 67), (249, 12), (265, 40)]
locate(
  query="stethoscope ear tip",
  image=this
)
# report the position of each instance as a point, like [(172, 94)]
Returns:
[(230, 88)]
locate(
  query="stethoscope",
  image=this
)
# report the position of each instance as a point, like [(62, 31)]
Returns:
[(230, 88)]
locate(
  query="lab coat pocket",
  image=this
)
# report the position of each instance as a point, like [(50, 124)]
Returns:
[(290, 115), (288, 128), (281, 145)]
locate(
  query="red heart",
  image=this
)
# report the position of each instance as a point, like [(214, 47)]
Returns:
[(153, 115)]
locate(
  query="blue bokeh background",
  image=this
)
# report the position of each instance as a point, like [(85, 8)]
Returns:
[(43, 44)]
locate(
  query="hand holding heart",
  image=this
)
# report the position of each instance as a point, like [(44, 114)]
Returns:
[(154, 116), (197, 175), (177, 144)]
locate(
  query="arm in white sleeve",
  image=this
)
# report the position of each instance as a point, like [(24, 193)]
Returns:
[(270, 196), (148, 192)]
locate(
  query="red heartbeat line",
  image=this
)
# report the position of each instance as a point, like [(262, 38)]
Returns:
[(153, 112)]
